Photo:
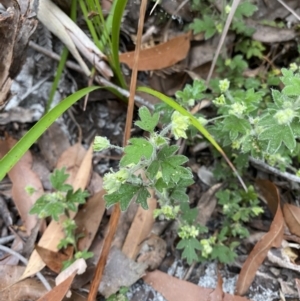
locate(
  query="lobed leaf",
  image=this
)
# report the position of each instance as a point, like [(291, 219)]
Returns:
[(189, 247), (124, 196), (148, 122), (138, 149)]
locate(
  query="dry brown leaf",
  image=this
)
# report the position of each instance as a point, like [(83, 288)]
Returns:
[(22, 176), (161, 56), (29, 289), (79, 169), (96, 183), (140, 229), (271, 239), (54, 260), (71, 159), (59, 291), (292, 218), (124, 224), (269, 193), (174, 289), (51, 151), (88, 219), (84, 171)]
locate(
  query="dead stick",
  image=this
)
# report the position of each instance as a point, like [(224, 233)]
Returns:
[(114, 219)]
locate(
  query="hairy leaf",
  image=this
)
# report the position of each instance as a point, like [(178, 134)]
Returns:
[(189, 247), (124, 195), (138, 149), (148, 122)]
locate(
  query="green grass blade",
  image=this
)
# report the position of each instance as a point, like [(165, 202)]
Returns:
[(19, 149), (194, 122), (115, 39), (59, 71), (184, 112), (90, 24)]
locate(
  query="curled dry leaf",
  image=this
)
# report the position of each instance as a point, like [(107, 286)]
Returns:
[(292, 218), (54, 260), (88, 219), (21, 176), (272, 239), (59, 143), (161, 56), (124, 224), (140, 228)]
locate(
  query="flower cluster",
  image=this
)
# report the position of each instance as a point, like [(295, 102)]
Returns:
[(224, 85), (101, 143), (207, 246), (179, 125), (167, 212), (113, 180), (285, 116), (187, 231), (237, 109), (219, 101)]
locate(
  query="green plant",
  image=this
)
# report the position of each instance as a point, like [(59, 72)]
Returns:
[(164, 172), (60, 202), (267, 132), (212, 21), (19, 149), (250, 48), (106, 33)]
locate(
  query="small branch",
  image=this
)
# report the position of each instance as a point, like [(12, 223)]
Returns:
[(99, 79), (289, 9), (25, 261), (114, 219), (6, 239), (264, 166)]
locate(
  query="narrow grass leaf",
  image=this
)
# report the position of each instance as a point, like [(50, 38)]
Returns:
[(195, 122), (117, 13), (14, 155)]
